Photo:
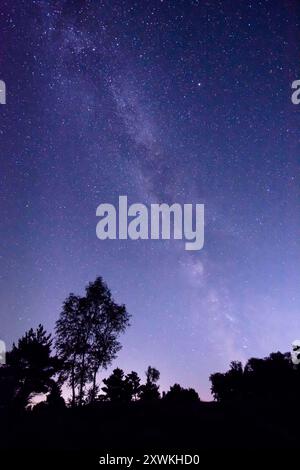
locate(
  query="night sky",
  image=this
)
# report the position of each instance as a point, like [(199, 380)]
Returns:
[(162, 101)]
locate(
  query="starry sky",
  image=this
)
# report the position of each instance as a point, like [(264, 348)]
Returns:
[(163, 101)]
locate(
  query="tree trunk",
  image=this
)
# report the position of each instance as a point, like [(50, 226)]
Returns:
[(73, 380), (94, 386), (82, 380)]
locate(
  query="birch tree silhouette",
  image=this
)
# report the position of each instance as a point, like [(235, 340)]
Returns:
[(87, 334)]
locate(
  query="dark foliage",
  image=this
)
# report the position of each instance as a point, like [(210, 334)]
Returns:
[(271, 378), (150, 390), (116, 388), (178, 394), (29, 369)]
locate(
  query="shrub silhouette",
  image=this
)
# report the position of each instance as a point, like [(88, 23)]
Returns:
[(178, 394)]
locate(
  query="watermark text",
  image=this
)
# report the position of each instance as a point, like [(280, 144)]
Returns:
[(158, 222)]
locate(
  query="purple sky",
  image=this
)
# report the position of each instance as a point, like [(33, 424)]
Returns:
[(163, 101)]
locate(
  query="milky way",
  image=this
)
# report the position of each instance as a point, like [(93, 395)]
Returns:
[(162, 101)]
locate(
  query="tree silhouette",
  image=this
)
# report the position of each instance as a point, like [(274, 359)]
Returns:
[(86, 337), (121, 388), (150, 390), (115, 388), (54, 399), (230, 385), (30, 366), (133, 384)]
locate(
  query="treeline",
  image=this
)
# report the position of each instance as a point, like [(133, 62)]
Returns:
[(273, 378), (86, 340)]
